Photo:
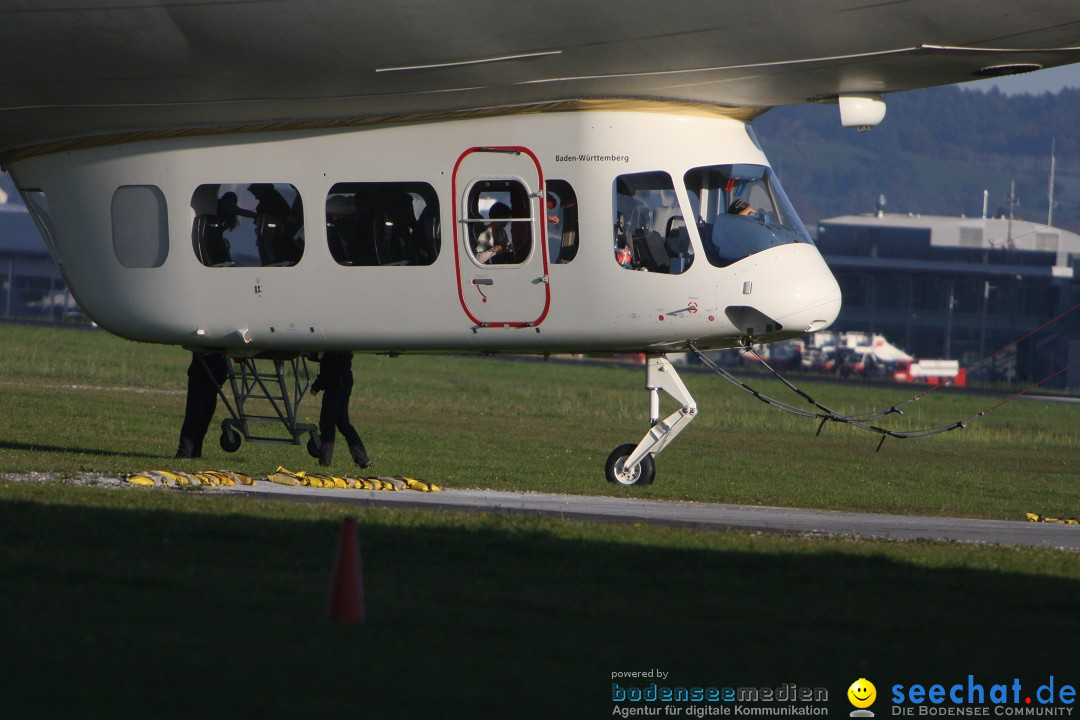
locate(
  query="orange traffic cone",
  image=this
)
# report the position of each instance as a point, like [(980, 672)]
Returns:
[(347, 589)]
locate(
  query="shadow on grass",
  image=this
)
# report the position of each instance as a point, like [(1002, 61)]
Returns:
[(138, 613), (36, 447)]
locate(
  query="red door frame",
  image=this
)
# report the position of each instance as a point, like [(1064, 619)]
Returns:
[(543, 233)]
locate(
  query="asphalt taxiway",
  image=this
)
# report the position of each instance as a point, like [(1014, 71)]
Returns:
[(712, 516)]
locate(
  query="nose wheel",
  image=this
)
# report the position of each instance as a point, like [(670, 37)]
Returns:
[(617, 472), (636, 464)]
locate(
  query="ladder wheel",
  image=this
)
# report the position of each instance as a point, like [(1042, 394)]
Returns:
[(230, 440), (643, 474)]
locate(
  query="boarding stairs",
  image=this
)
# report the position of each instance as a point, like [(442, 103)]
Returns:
[(266, 391)]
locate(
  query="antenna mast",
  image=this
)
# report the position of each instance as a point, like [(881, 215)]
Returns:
[(1012, 204), (1050, 191)]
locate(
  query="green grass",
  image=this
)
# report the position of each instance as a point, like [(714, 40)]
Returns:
[(477, 422), (141, 602)]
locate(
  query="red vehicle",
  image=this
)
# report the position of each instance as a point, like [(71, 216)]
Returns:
[(931, 372)]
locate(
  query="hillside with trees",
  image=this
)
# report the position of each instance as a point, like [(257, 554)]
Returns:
[(935, 153)]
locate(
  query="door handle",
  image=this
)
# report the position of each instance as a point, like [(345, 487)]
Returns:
[(483, 281)]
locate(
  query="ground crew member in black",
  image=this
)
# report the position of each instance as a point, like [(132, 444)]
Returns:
[(336, 379), (202, 395)]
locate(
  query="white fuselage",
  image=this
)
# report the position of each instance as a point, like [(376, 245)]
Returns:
[(125, 230)]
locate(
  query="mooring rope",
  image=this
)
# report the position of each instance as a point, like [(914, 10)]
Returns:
[(994, 354), (826, 414)]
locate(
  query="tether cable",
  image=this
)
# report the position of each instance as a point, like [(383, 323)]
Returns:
[(826, 414), (994, 354)]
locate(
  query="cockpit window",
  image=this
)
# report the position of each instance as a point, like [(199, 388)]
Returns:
[(741, 209)]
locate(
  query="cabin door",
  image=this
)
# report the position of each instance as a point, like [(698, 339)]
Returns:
[(500, 238)]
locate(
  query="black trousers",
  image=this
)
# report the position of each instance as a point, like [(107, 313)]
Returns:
[(336, 380), (201, 401)]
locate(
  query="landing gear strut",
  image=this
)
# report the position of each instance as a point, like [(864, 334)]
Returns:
[(635, 464)]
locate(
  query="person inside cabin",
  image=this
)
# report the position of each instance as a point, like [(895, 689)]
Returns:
[(294, 224), (361, 228), (493, 240), (214, 246), (567, 203), (270, 201), (335, 380), (204, 380), (630, 213), (740, 207), (229, 211), (569, 246), (275, 226), (428, 235), (397, 229), (340, 228)]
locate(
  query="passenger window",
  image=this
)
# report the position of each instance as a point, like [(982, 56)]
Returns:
[(248, 225), (383, 223), (562, 220), (140, 226), (650, 231), (499, 220)]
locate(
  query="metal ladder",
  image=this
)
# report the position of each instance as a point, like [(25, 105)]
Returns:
[(266, 390)]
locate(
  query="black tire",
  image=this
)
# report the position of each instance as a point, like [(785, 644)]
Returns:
[(643, 474), (314, 446), (230, 439)]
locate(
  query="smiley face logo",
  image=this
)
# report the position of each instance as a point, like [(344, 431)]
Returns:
[(862, 693)]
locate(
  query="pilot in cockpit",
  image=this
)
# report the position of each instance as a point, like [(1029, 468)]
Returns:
[(740, 207)]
